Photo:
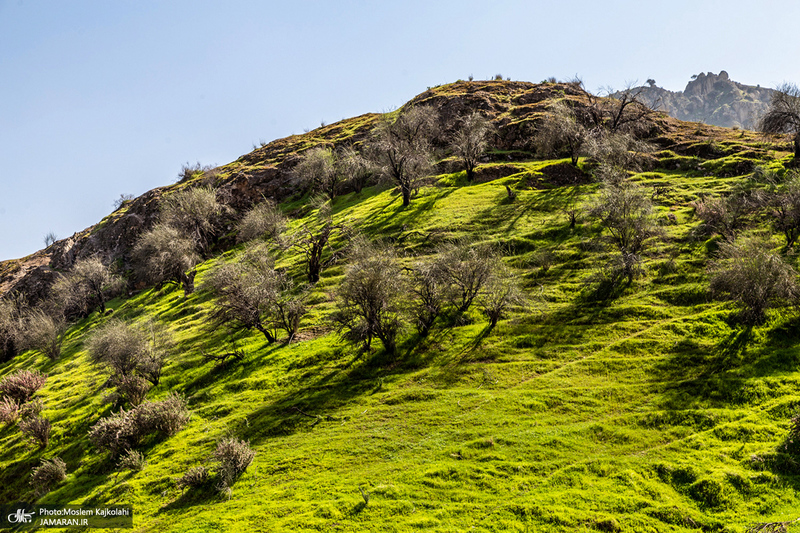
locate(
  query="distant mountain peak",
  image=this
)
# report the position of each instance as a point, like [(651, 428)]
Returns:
[(711, 98)]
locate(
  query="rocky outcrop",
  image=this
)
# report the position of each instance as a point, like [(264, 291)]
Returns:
[(266, 172), (712, 99)]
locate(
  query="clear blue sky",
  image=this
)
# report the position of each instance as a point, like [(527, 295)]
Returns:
[(104, 97)]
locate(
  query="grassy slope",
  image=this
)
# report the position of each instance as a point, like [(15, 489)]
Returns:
[(648, 412)]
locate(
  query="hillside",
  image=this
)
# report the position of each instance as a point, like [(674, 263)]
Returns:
[(638, 407), (712, 99)]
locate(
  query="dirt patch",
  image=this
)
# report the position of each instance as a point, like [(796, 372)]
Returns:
[(484, 174), (563, 174)]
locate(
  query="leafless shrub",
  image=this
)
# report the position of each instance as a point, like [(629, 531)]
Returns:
[(165, 417), (126, 429), (471, 140), (369, 297), (22, 385), (466, 269), (430, 288), (36, 429), (625, 211), (165, 255), (114, 433), (561, 132), (132, 460), (123, 200), (782, 200), (499, 295), (50, 239), (190, 171), (748, 272), (195, 213), (132, 388), (318, 169), (357, 169), (724, 216), (88, 284), (12, 308), (9, 411), (193, 478), (233, 456), (31, 409), (132, 354), (313, 240), (264, 220), (49, 473), (44, 331)]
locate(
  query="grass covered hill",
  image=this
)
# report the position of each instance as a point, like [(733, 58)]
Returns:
[(621, 388)]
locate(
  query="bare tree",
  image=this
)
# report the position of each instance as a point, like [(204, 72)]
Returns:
[(12, 307), (783, 115), (88, 284), (44, 332), (466, 269), (318, 169), (196, 213), (782, 199), (165, 255), (624, 209), (264, 220), (748, 272), (499, 295), (403, 150), (370, 297), (357, 168), (562, 132), (133, 354), (430, 288), (253, 295), (470, 141), (621, 111)]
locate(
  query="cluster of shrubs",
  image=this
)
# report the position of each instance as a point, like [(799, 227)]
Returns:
[(126, 429), (232, 457), (17, 405)]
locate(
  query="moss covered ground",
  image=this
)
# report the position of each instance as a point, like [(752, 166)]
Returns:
[(649, 410)]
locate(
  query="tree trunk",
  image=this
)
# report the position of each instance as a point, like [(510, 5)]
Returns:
[(187, 280), (406, 190), (269, 336)]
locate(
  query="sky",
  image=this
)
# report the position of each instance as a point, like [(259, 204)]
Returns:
[(100, 98)]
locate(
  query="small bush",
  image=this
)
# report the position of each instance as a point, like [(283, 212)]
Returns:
[(193, 478), (132, 388), (126, 429), (47, 474), (264, 220), (166, 417), (9, 411), (45, 332), (132, 460), (233, 456), (32, 409), (36, 430), (113, 433), (750, 273), (22, 385)]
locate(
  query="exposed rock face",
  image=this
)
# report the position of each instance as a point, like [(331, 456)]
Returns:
[(712, 99)]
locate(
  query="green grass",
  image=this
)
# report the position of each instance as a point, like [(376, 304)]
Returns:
[(651, 411)]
